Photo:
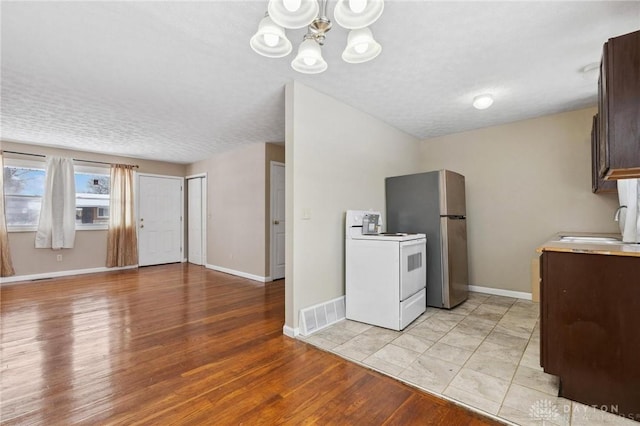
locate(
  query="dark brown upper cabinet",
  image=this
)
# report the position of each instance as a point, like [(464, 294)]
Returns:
[(619, 109)]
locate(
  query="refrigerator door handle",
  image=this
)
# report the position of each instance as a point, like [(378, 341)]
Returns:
[(444, 261)]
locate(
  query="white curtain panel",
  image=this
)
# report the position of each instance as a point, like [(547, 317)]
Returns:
[(57, 224)]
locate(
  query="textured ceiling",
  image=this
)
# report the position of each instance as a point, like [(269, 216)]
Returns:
[(177, 81)]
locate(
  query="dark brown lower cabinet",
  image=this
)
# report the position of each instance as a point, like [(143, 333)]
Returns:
[(590, 328)]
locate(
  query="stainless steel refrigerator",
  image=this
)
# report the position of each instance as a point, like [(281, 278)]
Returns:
[(433, 203)]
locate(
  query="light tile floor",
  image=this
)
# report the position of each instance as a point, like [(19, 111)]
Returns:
[(483, 353)]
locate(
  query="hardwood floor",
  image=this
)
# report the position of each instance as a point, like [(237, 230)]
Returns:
[(180, 344)]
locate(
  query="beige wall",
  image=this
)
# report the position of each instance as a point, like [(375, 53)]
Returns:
[(525, 181), (90, 246), (337, 158), (274, 152), (90, 252), (236, 209)]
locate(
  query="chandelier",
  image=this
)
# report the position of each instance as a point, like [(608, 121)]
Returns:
[(355, 15)]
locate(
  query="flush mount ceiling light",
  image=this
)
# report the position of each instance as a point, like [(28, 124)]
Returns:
[(591, 71), (483, 101), (356, 15)]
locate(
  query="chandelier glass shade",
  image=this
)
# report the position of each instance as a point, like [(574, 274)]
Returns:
[(356, 15), (361, 47), (270, 40), (293, 13), (309, 58)]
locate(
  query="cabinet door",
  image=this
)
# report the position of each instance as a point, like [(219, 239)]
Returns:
[(543, 311), (550, 327), (603, 117), (589, 327), (598, 185), (619, 105)]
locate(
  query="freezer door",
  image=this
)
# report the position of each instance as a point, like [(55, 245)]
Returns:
[(452, 194), (455, 284)]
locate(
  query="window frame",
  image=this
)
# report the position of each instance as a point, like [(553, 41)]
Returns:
[(100, 216), (27, 164)]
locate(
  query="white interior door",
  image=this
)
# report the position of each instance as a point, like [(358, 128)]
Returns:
[(160, 205), (277, 220), (195, 219)]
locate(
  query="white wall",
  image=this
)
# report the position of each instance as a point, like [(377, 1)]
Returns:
[(337, 158), (525, 182)]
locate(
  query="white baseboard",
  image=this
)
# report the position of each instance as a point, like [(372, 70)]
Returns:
[(20, 278), (290, 331), (238, 273), (500, 292)]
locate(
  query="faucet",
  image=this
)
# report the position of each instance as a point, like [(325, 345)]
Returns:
[(616, 216)]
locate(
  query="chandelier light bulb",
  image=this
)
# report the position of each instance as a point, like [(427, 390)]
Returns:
[(482, 101), (293, 14), (356, 14), (361, 47), (291, 5), (308, 60), (357, 6), (271, 40)]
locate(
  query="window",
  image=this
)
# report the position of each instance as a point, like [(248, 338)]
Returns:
[(92, 198), (24, 187)]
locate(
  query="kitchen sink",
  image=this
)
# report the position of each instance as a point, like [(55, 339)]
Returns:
[(589, 239)]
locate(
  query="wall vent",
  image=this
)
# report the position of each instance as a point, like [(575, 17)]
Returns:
[(322, 315)]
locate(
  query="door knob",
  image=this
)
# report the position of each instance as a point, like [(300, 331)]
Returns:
[(142, 226), (276, 222)]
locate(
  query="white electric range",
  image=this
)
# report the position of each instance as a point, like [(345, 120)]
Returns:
[(385, 273)]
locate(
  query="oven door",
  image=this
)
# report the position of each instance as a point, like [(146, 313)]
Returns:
[(413, 267)]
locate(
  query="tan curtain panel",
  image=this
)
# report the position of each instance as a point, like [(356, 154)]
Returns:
[(6, 267), (122, 242)]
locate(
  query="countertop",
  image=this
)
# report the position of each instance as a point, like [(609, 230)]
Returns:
[(621, 249)]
